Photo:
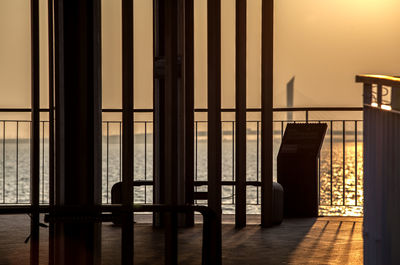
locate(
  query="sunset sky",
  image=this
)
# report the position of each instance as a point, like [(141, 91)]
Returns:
[(324, 44)]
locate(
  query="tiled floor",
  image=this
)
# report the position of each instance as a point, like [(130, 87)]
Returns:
[(295, 241)]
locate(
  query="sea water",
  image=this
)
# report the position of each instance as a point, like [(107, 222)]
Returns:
[(15, 173)]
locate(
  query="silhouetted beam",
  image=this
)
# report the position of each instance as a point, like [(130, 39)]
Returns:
[(214, 120), (127, 130), (171, 133), (51, 123), (35, 132), (189, 105), (78, 127), (158, 99), (240, 208), (267, 38)]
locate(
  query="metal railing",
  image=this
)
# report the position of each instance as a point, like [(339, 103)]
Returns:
[(382, 127), (337, 164)]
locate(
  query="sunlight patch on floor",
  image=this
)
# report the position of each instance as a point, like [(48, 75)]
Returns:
[(330, 241)]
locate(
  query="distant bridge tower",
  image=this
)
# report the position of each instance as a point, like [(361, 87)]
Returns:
[(290, 97)]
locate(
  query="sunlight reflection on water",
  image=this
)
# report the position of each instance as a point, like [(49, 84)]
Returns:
[(143, 194)]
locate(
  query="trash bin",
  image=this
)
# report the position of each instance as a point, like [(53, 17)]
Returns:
[(277, 208), (116, 197)]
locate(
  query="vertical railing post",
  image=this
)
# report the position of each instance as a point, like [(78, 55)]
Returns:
[(4, 161), (331, 158), (107, 157), (344, 163), (43, 160), (379, 95), (145, 160), (356, 161), (319, 179), (16, 161), (120, 151), (367, 94), (258, 160), (233, 162), (196, 149)]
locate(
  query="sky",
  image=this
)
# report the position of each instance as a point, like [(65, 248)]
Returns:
[(323, 44)]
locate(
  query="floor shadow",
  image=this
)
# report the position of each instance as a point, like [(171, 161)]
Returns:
[(256, 245), (295, 241), (349, 243)]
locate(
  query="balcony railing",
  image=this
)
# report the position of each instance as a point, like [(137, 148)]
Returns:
[(340, 164), (382, 168)]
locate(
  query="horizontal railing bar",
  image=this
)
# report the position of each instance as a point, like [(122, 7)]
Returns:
[(198, 183), (296, 121), (291, 109), (20, 110), (134, 110), (64, 210), (304, 121), (319, 109), (228, 183), (205, 110), (117, 122), (202, 121), (22, 209), (47, 110), (384, 80)]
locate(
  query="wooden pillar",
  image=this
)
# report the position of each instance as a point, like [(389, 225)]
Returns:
[(189, 105), (78, 127), (214, 120), (267, 38), (127, 130), (158, 94), (50, 15), (171, 133), (181, 109), (35, 132), (240, 210), (169, 106)]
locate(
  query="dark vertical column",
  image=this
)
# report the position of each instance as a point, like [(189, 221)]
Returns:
[(214, 120), (189, 106), (181, 109), (171, 136), (158, 129), (51, 124), (367, 94), (267, 38), (241, 15), (78, 126), (127, 252), (35, 132)]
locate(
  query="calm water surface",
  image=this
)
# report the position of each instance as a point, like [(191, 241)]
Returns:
[(15, 182)]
